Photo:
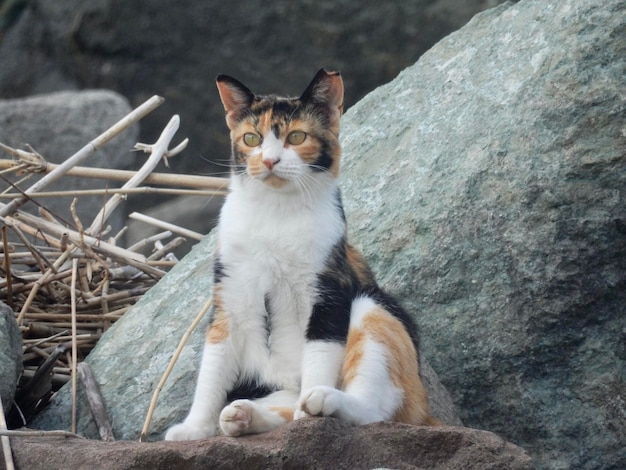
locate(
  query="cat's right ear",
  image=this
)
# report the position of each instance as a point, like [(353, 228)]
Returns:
[(326, 90), (235, 96)]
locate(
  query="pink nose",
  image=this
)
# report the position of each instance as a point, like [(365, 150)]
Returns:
[(269, 163)]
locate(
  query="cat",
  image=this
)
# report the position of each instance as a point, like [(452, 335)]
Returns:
[(299, 326)]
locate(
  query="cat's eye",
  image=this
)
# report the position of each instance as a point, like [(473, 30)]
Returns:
[(251, 139), (296, 137)]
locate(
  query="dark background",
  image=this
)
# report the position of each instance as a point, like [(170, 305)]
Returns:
[(175, 48)]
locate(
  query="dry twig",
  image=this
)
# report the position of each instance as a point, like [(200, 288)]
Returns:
[(166, 374), (164, 179), (96, 405), (166, 226), (68, 284), (83, 153), (6, 444)]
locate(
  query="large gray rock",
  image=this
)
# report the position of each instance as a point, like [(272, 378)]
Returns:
[(487, 185), (175, 48), (304, 444), (131, 357), (57, 125), (10, 355)]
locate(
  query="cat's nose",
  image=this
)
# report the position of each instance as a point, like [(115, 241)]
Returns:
[(270, 162)]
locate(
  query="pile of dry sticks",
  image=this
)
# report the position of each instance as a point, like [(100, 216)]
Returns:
[(67, 283)]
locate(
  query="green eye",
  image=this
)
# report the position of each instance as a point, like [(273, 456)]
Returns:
[(296, 137), (251, 139)]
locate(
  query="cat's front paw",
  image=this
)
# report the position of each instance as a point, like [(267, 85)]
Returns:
[(189, 432), (318, 401), (236, 418)]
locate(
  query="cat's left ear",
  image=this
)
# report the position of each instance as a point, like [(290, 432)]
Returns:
[(326, 90), (235, 96)]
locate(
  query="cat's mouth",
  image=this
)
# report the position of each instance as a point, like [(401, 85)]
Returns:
[(274, 181)]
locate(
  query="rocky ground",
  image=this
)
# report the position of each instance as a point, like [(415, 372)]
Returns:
[(313, 443)]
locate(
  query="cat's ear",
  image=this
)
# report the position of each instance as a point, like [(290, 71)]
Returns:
[(235, 96), (326, 89)]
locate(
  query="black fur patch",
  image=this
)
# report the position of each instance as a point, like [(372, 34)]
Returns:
[(338, 286), (268, 320), (251, 390), (324, 160), (339, 205), (218, 270)]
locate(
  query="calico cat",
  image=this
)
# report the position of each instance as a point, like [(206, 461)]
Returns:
[(299, 326)]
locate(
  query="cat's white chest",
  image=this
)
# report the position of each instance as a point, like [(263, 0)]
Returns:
[(272, 255)]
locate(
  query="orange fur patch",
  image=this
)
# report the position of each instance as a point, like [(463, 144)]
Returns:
[(381, 327), (285, 412), (360, 266), (353, 355), (310, 149), (217, 331), (265, 121)]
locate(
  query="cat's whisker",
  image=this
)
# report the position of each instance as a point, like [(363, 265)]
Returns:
[(224, 162), (320, 168), (305, 189)]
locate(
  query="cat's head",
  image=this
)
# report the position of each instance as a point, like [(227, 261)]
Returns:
[(285, 142)]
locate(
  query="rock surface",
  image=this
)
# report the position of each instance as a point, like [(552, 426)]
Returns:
[(312, 443), (487, 186), (10, 355), (57, 125)]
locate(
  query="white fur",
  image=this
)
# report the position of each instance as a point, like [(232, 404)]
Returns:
[(372, 388), (321, 364), (248, 416), (370, 396), (217, 375), (273, 150), (271, 241)]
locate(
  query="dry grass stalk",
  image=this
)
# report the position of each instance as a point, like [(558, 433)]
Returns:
[(83, 153), (122, 191), (6, 444), (158, 151), (96, 405), (74, 347), (163, 179), (167, 226), (69, 284), (7, 267), (155, 396)]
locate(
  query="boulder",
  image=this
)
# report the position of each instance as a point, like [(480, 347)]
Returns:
[(10, 355), (57, 125), (487, 186), (131, 357), (310, 443)]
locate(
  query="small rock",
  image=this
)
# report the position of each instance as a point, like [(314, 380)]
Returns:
[(10, 355)]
